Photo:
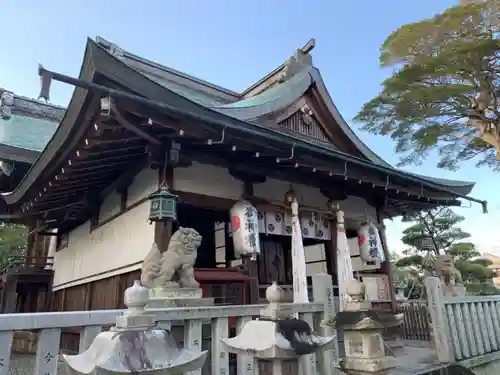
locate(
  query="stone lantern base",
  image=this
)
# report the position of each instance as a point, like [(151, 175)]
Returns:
[(368, 365), (365, 352), (174, 296), (454, 290)]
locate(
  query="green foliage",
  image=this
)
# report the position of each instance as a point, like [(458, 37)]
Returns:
[(13, 241), (444, 66), (441, 225), (414, 289)]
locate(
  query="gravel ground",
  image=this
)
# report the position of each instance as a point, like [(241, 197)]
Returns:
[(24, 364)]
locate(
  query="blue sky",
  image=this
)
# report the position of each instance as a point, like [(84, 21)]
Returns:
[(233, 44)]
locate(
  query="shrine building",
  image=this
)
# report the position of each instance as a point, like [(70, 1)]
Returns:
[(88, 189), (26, 126)]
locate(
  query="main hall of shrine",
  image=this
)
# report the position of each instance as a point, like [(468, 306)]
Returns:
[(133, 124)]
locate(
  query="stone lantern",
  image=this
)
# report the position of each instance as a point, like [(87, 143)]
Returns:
[(399, 289), (163, 205), (363, 333), (135, 345), (275, 336)]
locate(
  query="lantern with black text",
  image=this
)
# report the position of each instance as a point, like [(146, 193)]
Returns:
[(245, 228), (163, 205), (370, 244)]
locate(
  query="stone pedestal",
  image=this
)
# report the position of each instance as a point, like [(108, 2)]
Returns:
[(174, 296), (365, 352), (454, 290)]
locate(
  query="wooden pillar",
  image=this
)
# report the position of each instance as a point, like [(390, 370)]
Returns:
[(9, 295), (38, 244), (31, 245), (63, 300), (49, 294), (21, 303), (88, 296), (117, 296), (331, 254), (386, 266), (41, 298)]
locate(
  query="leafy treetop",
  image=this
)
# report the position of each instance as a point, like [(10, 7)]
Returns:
[(13, 241), (445, 91)]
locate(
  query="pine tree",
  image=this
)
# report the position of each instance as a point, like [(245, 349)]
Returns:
[(13, 241), (446, 237), (444, 93)]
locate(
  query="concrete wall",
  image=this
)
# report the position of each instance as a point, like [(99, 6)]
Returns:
[(116, 247), (120, 245), (216, 181)]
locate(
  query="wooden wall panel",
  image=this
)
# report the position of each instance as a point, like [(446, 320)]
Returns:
[(104, 293), (76, 299), (58, 300)]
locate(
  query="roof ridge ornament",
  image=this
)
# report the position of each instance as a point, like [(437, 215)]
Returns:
[(295, 64), (6, 103), (113, 48)]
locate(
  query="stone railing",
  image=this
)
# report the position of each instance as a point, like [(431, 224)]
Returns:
[(464, 327), (194, 321)]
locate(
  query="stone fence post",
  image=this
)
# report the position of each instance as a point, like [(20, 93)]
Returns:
[(323, 293), (439, 319)]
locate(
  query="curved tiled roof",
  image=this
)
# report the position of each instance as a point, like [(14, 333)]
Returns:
[(26, 132), (218, 106)]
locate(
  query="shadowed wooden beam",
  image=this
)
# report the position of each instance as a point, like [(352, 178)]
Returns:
[(131, 127), (126, 178)]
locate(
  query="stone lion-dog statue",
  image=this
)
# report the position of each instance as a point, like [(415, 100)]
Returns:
[(176, 264), (446, 271)]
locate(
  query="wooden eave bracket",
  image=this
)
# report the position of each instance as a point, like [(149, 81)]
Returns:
[(131, 127)]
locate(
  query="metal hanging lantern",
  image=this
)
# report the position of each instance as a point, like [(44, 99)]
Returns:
[(163, 205), (425, 242)]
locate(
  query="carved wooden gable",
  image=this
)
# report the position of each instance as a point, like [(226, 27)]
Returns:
[(308, 118), (301, 118), (304, 122)]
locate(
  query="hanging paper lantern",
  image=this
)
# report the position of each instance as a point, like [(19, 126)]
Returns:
[(245, 229), (370, 245)]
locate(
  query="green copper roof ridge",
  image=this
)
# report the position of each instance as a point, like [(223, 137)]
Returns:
[(365, 150), (23, 105), (282, 95), (179, 105), (27, 132), (116, 50), (252, 126)]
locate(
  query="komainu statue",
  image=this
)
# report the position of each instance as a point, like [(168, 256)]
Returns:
[(446, 271), (151, 266), (176, 265)]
